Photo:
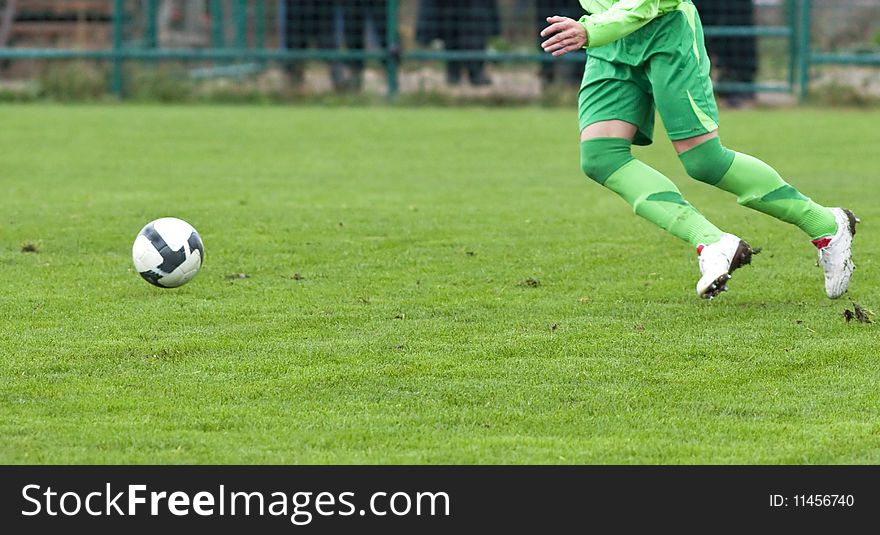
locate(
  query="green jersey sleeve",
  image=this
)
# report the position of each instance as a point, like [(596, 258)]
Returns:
[(621, 19)]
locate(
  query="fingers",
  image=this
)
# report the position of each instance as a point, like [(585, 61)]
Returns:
[(554, 28), (560, 41), (570, 48), (561, 36), (565, 35), (556, 46), (565, 50)]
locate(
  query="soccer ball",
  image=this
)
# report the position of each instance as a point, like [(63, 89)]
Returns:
[(168, 252)]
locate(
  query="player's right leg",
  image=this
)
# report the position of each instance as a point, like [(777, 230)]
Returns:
[(606, 158)]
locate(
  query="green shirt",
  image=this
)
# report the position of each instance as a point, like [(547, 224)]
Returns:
[(610, 20)]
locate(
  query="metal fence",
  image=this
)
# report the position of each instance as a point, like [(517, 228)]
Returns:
[(757, 45)]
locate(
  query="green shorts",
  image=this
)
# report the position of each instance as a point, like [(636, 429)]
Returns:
[(664, 62)]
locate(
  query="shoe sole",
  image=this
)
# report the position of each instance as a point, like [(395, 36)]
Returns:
[(742, 257), (852, 221)]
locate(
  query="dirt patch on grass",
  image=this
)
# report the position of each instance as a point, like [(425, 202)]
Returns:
[(530, 283), (858, 314)]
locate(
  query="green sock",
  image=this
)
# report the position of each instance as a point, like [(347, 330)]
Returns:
[(758, 186), (652, 195)]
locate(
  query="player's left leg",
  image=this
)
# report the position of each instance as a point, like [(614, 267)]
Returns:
[(760, 187), (756, 184), (679, 74)]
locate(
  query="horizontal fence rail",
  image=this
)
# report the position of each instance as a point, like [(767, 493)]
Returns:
[(824, 58)]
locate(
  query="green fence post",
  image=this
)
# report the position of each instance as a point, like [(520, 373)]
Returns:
[(151, 39), (218, 30), (804, 29), (117, 82), (240, 14), (392, 51), (260, 24)]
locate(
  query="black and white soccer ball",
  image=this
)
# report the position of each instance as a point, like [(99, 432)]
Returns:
[(168, 252)]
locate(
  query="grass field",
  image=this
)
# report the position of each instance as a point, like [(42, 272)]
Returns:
[(423, 286)]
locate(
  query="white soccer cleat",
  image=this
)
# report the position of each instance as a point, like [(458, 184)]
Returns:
[(835, 253), (718, 261)]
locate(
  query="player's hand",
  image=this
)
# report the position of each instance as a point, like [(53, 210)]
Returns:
[(568, 35)]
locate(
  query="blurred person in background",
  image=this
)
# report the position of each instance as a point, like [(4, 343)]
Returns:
[(461, 25), (366, 22), (7, 16), (310, 23), (569, 72), (735, 58), (329, 24)]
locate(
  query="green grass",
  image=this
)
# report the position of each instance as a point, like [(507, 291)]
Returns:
[(411, 337)]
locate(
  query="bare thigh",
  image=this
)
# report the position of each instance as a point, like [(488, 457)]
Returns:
[(625, 130), (684, 144), (613, 128)]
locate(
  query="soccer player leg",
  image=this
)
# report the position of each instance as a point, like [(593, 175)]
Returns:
[(759, 186), (616, 109), (609, 161), (685, 99)]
